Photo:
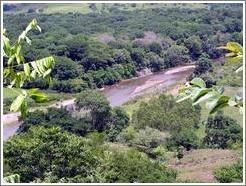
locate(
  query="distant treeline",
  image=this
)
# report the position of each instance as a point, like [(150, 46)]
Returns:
[(101, 48)]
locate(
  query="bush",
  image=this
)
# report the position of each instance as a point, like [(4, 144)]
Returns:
[(203, 65), (134, 167), (149, 138), (97, 107), (118, 121), (54, 156), (222, 131), (175, 55), (38, 83), (69, 86), (49, 151), (163, 113), (186, 138), (55, 117), (127, 134), (65, 69), (230, 174)]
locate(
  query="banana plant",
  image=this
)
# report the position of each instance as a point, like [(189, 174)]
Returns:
[(14, 77), (197, 91)]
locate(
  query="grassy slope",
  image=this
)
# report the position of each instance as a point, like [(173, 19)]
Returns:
[(84, 9), (198, 165), (66, 8), (52, 96)]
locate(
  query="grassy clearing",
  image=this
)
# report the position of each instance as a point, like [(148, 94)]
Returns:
[(198, 165), (83, 8), (10, 94), (66, 8)]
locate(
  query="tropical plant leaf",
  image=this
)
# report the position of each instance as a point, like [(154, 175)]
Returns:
[(15, 106), (221, 103), (198, 82), (239, 69), (23, 109), (183, 97), (232, 46), (234, 59), (27, 69), (37, 96)]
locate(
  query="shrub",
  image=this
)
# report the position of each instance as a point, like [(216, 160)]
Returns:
[(118, 121), (222, 131), (134, 167), (65, 69), (55, 117), (54, 156), (49, 151), (96, 104), (69, 86), (186, 138), (229, 174), (163, 113)]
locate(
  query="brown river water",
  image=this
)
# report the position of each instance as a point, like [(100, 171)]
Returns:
[(118, 94)]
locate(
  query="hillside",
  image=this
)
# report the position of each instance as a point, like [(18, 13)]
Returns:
[(90, 93)]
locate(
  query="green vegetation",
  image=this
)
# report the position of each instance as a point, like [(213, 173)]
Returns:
[(84, 160), (9, 93), (197, 89), (14, 77), (141, 36), (229, 174), (150, 139), (223, 132)]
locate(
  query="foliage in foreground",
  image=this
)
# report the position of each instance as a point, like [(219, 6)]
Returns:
[(14, 178), (230, 174), (52, 155), (17, 71), (198, 92)]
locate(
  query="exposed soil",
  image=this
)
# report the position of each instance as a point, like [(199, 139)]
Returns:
[(198, 165)]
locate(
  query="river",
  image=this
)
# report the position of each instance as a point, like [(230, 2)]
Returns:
[(117, 94)]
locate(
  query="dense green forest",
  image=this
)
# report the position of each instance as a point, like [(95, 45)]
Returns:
[(150, 139), (101, 48)]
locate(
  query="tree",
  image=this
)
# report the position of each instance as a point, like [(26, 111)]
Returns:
[(186, 138), (137, 55), (203, 65), (98, 107), (163, 113), (41, 152), (194, 44), (118, 121), (51, 155), (14, 77), (155, 47), (65, 69), (156, 63), (55, 117), (222, 131), (69, 86), (175, 55), (134, 167)]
